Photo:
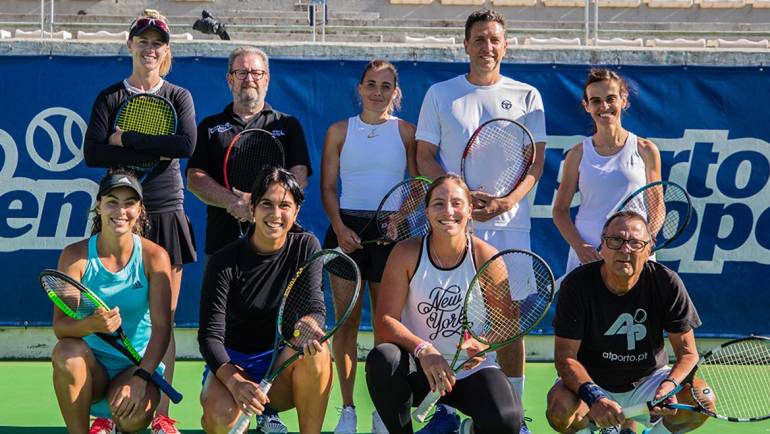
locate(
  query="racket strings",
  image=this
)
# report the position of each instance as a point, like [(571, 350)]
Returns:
[(69, 298), (252, 152), (499, 156), (147, 115), (738, 379), (508, 298), (405, 212), (665, 210)]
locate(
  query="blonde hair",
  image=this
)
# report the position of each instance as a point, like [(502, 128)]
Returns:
[(165, 66)]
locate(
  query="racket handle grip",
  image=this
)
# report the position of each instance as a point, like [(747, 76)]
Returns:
[(242, 424), (421, 412), (636, 410), (163, 385)]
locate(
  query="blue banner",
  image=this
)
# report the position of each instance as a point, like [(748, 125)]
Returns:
[(709, 123)]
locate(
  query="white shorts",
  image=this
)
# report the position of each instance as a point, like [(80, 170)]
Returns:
[(643, 392)]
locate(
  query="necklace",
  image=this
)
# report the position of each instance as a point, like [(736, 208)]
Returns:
[(436, 258), (373, 133)]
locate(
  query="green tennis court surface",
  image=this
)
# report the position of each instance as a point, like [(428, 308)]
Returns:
[(28, 405)]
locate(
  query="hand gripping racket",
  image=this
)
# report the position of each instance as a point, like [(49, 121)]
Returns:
[(149, 114), (79, 302), (665, 205), (247, 154), (302, 315), (737, 377), (497, 157), (507, 298)]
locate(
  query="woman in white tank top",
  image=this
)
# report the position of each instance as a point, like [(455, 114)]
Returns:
[(369, 153), (605, 168), (420, 319)]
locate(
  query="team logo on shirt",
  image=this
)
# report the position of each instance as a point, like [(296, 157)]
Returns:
[(443, 311), (631, 326), (505, 104), (220, 128), (278, 133)]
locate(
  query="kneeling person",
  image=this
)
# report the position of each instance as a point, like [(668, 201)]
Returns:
[(609, 324), (241, 293)]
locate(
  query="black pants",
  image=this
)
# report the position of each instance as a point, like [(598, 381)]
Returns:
[(397, 383)]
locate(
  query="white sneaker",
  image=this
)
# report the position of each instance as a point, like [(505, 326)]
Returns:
[(377, 426), (348, 421)]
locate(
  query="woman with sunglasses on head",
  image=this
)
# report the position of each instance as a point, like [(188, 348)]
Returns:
[(348, 150), (105, 146), (606, 167), (133, 275), (420, 321)]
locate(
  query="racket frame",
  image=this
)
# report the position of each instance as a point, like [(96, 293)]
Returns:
[(142, 169), (421, 412), (469, 147), (645, 408), (665, 185), (273, 372), (383, 215), (119, 340), (226, 160)]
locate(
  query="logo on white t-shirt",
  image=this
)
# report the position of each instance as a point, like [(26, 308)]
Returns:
[(506, 104), (631, 326)]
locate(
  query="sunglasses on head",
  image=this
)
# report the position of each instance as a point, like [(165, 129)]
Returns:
[(142, 23)]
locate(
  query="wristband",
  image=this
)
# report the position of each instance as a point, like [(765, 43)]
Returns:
[(670, 379), (144, 375), (589, 392), (421, 346)]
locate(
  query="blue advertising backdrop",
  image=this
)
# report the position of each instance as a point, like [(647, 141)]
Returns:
[(709, 122)]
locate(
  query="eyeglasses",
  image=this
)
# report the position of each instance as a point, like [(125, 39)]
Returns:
[(616, 243), (256, 74), (142, 23)]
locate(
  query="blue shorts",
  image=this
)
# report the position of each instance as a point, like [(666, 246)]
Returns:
[(114, 365), (254, 365)]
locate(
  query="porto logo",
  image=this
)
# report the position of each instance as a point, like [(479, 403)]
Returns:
[(631, 326)]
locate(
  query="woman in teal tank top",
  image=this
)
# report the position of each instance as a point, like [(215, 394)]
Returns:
[(132, 275)]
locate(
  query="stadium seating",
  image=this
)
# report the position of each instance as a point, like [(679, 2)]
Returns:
[(722, 4), (411, 2), (5, 34), (619, 42), (39, 34), (681, 4), (552, 42), (102, 35), (463, 2), (741, 43), (429, 40), (514, 3), (677, 43)]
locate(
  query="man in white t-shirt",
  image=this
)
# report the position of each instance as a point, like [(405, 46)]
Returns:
[(451, 112)]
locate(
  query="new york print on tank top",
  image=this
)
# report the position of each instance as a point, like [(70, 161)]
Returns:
[(433, 309)]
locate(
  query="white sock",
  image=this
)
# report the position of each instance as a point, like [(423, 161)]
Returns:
[(659, 428), (518, 385)]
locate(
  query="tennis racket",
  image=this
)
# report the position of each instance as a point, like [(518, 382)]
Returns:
[(149, 114), (665, 205), (301, 318), (248, 153), (507, 298), (401, 212), (497, 157), (79, 302), (737, 376)]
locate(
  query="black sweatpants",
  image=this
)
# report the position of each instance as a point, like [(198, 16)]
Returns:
[(397, 383)]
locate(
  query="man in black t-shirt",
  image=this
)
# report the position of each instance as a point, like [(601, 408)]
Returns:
[(248, 77), (609, 347)]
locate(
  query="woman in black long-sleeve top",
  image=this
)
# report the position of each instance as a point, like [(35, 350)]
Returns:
[(105, 146)]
